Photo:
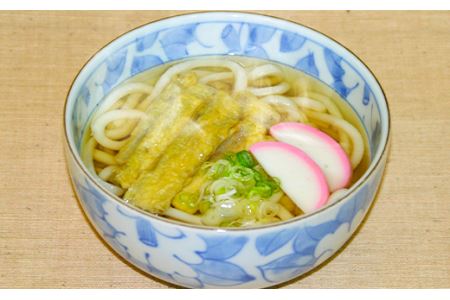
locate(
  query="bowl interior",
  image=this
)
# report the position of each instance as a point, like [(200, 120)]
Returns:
[(229, 34)]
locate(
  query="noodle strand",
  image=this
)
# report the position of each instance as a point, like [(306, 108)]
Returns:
[(216, 77), (240, 76), (270, 90), (104, 157), (283, 213), (182, 216), (263, 71), (288, 106), (98, 126), (334, 111), (107, 172), (353, 133), (308, 103), (119, 92)]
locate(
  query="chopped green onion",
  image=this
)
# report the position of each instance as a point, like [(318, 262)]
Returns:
[(242, 174), (245, 159), (219, 169), (237, 188), (263, 191)]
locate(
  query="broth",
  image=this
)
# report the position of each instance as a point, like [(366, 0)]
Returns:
[(174, 140)]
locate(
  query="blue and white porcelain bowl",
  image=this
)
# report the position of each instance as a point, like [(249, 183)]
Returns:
[(201, 257)]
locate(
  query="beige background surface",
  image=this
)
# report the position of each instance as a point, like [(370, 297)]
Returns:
[(45, 240)]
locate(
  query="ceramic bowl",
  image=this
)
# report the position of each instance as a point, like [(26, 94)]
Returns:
[(200, 257)]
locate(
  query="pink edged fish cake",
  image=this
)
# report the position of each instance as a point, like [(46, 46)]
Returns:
[(300, 177), (321, 148)]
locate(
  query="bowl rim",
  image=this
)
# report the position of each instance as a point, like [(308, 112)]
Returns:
[(352, 190)]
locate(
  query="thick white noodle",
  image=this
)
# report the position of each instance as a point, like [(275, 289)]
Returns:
[(182, 216), (308, 103), (286, 105), (263, 71), (270, 90), (240, 76), (216, 76), (112, 188), (103, 157), (344, 142), (275, 197), (118, 104), (143, 106), (331, 107), (107, 172), (334, 111), (125, 127), (284, 214), (117, 93), (202, 73), (268, 209), (349, 129), (130, 103), (88, 154), (122, 131), (98, 126), (88, 159)]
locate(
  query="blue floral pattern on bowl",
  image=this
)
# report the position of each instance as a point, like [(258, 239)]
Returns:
[(230, 38), (211, 262), (196, 257)]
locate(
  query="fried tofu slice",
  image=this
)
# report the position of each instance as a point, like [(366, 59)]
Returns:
[(185, 103), (157, 108), (258, 117), (154, 189)]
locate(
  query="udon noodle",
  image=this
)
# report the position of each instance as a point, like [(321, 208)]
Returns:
[(159, 136)]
